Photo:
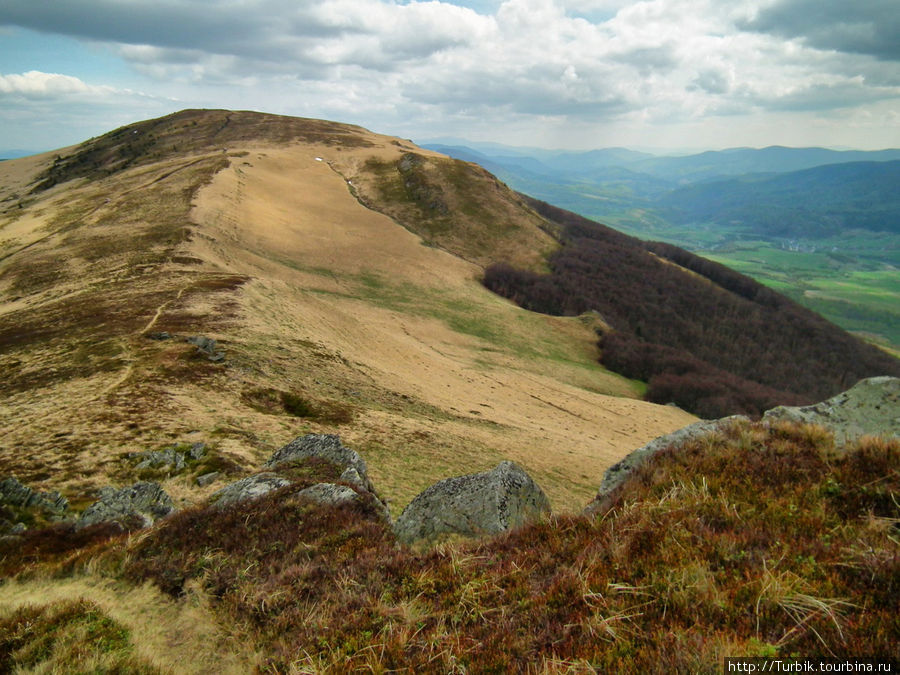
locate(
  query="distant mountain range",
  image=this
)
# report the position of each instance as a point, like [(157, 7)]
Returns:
[(822, 201), (677, 169), (608, 183), (836, 211)]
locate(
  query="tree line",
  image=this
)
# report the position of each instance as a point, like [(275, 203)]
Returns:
[(711, 340)]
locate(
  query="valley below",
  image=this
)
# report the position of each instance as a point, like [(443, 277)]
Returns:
[(817, 225)]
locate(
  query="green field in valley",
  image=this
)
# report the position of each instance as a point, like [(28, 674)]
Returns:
[(858, 292)]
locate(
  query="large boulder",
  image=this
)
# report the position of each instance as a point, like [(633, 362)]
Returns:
[(142, 503), (327, 447), (871, 407), (251, 487), (480, 503), (619, 472)]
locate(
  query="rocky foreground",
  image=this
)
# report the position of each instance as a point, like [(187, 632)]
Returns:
[(734, 538), (485, 503)]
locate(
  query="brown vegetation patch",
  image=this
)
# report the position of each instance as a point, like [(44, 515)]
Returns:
[(275, 401), (228, 282), (51, 545), (456, 206)]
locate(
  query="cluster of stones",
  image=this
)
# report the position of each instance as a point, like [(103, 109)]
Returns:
[(477, 504), (173, 458), (15, 494)]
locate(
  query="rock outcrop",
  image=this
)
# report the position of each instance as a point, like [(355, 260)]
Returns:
[(208, 478), (327, 447), (330, 494), (477, 504), (14, 493), (872, 407), (251, 487), (173, 458), (619, 472), (142, 503), (207, 347)]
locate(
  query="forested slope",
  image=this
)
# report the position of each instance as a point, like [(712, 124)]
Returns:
[(713, 341)]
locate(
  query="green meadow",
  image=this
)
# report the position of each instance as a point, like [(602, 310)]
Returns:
[(859, 291)]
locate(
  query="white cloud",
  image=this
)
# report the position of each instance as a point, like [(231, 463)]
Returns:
[(35, 84), (581, 61)]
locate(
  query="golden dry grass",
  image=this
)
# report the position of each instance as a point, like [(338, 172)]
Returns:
[(173, 636), (308, 292)]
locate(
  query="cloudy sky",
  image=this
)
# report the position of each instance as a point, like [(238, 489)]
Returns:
[(554, 73)]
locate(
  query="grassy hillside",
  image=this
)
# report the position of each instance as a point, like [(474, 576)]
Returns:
[(340, 272), (243, 228), (751, 542)]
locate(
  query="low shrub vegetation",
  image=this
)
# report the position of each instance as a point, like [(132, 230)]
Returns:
[(275, 401), (753, 541)]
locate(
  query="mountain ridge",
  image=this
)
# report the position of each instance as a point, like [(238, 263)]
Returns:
[(265, 247)]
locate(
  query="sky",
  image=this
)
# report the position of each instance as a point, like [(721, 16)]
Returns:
[(574, 74)]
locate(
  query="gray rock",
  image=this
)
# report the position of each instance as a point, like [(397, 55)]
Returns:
[(156, 459), (477, 504), (146, 501), (197, 451), (352, 476), (872, 406), (619, 472), (251, 487), (207, 347), (330, 494), (14, 493), (334, 495), (55, 501), (327, 447), (7, 527), (208, 478), (107, 492)]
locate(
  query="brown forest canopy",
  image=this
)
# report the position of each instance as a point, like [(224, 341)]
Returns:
[(713, 341)]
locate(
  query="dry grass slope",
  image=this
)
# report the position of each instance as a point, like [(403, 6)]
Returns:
[(242, 227), (334, 318)]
